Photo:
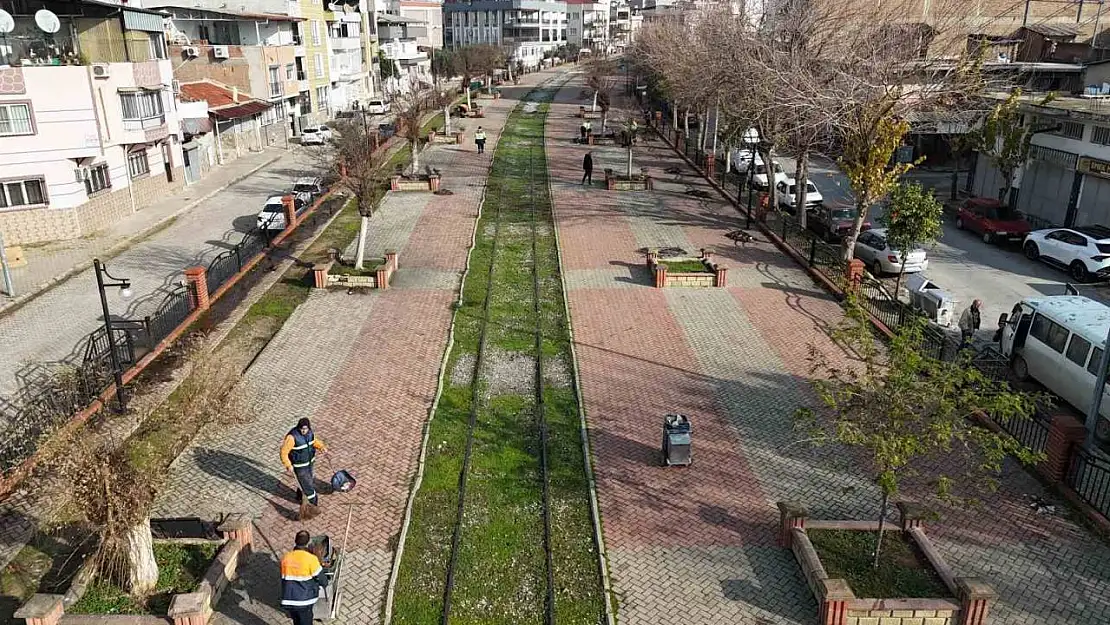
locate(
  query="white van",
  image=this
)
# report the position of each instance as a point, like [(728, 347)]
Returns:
[(1057, 341)]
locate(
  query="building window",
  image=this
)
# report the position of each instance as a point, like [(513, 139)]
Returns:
[(275, 81), (291, 72), (15, 119), (318, 61), (19, 193), (97, 179), (1071, 130), (141, 105), (315, 32), (137, 164), (157, 46), (1100, 135), (321, 98)]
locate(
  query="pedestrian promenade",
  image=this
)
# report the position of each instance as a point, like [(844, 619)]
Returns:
[(697, 545), (364, 369)]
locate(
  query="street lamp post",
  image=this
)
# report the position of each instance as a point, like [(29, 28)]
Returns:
[(125, 292)]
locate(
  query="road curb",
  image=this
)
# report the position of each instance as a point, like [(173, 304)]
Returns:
[(126, 242)]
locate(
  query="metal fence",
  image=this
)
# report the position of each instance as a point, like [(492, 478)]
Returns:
[(1032, 432), (231, 262), (1089, 477)]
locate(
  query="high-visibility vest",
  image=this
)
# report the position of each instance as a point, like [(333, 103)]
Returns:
[(480, 136), (303, 450), (300, 586)]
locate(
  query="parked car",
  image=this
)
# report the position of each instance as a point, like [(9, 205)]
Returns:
[(833, 223), (308, 189), (992, 219), (272, 215), (377, 107), (315, 135), (1083, 252), (873, 249), (786, 189)]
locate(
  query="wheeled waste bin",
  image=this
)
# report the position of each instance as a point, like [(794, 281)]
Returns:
[(676, 440)]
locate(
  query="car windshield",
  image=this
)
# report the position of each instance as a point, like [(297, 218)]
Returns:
[(298, 188), (271, 208), (377, 103), (1103, 248), (809, 188), (843, 213)]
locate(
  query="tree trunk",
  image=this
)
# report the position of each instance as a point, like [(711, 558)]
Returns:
[(686, 124), (360, 250), (801, 173), (142, 570), (415, 147), (716, 126), (728, 159), (901, 272), (630, 158), (593, 107), (446, 120), (674, 117), (862, 205), (772, 193), (604, 120), (466, 89), (882, 525), (703, 121)]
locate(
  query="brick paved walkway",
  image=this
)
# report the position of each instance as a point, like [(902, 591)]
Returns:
[(363, 367), (696, 545)]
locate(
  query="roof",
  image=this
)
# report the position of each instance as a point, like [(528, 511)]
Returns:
[(1082, 315), (1054, 30), (187, 6), (386, 18), (221, 100)]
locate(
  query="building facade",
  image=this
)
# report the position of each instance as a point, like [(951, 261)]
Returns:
[(588, 24), (525, 29), (89, 129), (427, 20)]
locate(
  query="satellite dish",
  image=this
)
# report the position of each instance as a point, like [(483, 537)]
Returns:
[(47, 21), (7, 24)]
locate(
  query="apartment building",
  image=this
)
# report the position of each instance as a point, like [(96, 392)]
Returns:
[(525, 29), (588, 24), (89, 129), (425, 17), (1067, 178), (348, 30), (254, 53)]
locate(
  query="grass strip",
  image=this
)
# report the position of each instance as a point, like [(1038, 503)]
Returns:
[(903, 571), (501, 574), (180, 570)]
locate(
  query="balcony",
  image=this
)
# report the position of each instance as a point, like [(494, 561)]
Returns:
[(144, 124), (345, 44), (298, 49)]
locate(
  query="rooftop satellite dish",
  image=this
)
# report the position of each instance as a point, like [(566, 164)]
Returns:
[(7, 24), (47, 21)]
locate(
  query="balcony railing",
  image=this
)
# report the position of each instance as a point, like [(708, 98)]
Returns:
[(144, 124)]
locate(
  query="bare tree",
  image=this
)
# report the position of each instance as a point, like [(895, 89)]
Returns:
[(472, 61), (355, 155)]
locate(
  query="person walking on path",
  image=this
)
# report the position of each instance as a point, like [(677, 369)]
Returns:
[(298, 451), (588, 168), (302, 576), (480, 140), (969, 322)]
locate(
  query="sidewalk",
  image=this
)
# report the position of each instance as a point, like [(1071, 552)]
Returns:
[(735, 360), (364, 368), (50, 263)]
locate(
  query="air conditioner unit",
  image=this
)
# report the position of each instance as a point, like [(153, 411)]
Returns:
[(190, 52), (220, 52), (176, 86), (101, 70)]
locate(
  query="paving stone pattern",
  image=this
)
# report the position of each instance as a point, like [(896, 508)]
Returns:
[(696, 545), (363, 367)]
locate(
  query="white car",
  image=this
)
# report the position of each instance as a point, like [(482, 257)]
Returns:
[(272, 215), (315, 135), (786, 189), (377, 107), (308, 188), (1084, 252), (872, 248)]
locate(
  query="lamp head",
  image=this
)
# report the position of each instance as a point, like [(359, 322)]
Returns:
[(125, 292)]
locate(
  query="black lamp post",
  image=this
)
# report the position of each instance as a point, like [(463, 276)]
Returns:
[(106, 280)]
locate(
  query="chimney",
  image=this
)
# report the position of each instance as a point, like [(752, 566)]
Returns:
[(235, 94)]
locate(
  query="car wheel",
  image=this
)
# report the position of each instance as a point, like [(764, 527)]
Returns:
[(1031, 251), (877, 269), (988, 237), (1019, 368), (959, 224), (1078, 271)]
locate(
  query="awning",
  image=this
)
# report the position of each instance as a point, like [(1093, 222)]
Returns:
[(196, 126), (238, 111), (147, 22)]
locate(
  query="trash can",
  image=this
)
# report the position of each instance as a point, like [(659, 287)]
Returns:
[(938, 305), (676, 440)]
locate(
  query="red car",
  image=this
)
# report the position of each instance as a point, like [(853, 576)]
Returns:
[(993, 220)]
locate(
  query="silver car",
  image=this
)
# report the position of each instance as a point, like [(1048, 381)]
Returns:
[(872, 248)]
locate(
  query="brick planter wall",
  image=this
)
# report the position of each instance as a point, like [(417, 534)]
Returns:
[(715, 274), (322, 277), (400, 184), (838, 604), (614, 182)]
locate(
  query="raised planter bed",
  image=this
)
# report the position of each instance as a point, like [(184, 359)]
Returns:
[(189, 608), (378, 276), (968, 599), (621, 182), (453, 138), (686, 271), (584, 114), (422, 182)]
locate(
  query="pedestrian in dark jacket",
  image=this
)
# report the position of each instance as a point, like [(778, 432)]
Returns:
[(302, 576), (588, 168), (298, 451), (969, 321)]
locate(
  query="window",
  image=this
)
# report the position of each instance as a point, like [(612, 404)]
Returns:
[(97, 179), (1049, 332), (321, 98), (141, 105), (1092, 365), (1100, 135), (291, 72), (1071, 130), (315, 32), (202, 33), (22, 193), (15, 119), (1078, 350), (318, 62), (275, 81), (137, 164), (157, 46)]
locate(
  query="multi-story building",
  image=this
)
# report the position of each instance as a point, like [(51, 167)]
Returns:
[(412, 64), (313, 37), (624, 21), (239, 123), (89, 129), (252, 52), (427, 16), (525, 29), (588, 24), (348, 28)]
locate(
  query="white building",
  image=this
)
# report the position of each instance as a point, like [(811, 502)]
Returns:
[(89, 129), (588, 24), (525, 29), (427, 20)]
